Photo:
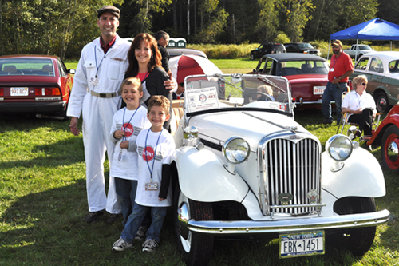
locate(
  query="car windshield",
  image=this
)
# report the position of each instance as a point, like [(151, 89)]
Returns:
[(305, 45), (364, 48), (236, 91), (26, 67), (290, 68), (394, 66)]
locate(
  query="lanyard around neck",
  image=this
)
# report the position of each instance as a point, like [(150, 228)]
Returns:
[(123, 121), (155, 151)]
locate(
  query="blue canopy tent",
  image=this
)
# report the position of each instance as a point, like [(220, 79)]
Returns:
[(375, 29)]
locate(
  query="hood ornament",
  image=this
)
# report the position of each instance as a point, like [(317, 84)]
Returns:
[(293, 128)]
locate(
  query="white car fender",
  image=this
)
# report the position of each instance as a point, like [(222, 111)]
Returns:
[(202, 177), (361, 176)]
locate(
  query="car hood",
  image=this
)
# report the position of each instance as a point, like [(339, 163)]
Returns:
[(218, 127), (307, 78)]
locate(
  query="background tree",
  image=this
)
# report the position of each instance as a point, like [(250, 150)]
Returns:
[(213, 21), (388, 10), (294, 15), (266, 27), (64, 27)]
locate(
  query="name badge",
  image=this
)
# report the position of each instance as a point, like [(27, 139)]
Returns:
[(94, 81), (331, 69), (152, 186)]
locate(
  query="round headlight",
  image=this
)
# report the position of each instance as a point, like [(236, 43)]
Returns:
[(339, 147), (236, 150)]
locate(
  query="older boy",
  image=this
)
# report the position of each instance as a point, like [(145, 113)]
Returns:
[(156, 150)]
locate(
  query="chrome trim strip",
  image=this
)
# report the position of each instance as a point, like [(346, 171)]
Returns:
[(289, 225)]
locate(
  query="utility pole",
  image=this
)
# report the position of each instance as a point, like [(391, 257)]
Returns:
[(188, 17)]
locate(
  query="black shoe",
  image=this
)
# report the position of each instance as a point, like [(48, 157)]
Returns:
[(93, 216), (358, 133), (112, 217)]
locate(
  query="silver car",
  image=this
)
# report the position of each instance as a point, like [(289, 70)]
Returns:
[(382, 72)]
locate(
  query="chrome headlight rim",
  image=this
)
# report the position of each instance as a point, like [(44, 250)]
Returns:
[(337, 153), (230, 148)]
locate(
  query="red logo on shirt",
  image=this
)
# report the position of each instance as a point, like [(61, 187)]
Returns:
[(128, 129), (148, 153)]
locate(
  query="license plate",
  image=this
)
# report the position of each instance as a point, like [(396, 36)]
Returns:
[(302, 244), (17, 91), (317, 90)]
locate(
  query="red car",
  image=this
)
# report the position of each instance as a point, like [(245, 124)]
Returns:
[(34, 84), (387, 136), (306, 73)]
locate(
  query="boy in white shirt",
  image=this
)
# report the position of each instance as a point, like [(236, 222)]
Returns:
[(126, 126), (156, 150)]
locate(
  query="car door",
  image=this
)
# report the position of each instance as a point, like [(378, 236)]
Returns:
[(375, 75)]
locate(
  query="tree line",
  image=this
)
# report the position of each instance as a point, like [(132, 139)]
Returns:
[(63, 27)]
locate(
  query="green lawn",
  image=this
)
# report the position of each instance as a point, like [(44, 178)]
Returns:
[(43, 204), (239, 65)]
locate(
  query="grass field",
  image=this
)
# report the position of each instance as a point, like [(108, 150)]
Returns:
[(239, 65), (43, 203)]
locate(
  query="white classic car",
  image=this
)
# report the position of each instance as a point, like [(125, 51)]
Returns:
[(246, 167)]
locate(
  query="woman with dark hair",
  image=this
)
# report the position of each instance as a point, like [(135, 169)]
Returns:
[(145, 63)]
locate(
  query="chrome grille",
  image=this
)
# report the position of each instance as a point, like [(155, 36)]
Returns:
[(291, 169)]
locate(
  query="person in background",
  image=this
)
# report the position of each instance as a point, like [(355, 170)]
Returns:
[(94, 95), (127, 124), (157, 150), (162, 38), (360, 105), (341, 67)]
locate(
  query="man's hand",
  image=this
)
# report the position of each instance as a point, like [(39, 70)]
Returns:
[(170, 84), (73, 126)]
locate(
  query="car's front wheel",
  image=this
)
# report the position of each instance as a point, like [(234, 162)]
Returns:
[(196, 248), (389, 148), (357, 240)]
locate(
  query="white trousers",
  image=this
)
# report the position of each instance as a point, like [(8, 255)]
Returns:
[(97, 116)]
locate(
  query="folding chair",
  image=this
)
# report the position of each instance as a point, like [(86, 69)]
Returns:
[(344, 121)]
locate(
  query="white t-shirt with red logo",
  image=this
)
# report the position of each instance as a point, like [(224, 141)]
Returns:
[(124, 162), (154, 149)]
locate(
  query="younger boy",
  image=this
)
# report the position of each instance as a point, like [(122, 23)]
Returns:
[(156, 151), (126, 126)]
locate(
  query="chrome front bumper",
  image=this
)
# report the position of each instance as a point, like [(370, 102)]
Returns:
[(288, 225)]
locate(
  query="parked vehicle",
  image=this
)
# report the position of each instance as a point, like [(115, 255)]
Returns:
[(387, 136), (382, 72), (173, 52), (358, 50), (34, 84), (246, 168), (301, 47), (306, 73), (267, 48)]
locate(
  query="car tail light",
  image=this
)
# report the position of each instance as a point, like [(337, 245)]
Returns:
[(1, 92), (47, 92)]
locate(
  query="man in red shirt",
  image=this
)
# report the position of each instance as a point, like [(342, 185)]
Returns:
[(341, 67)]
